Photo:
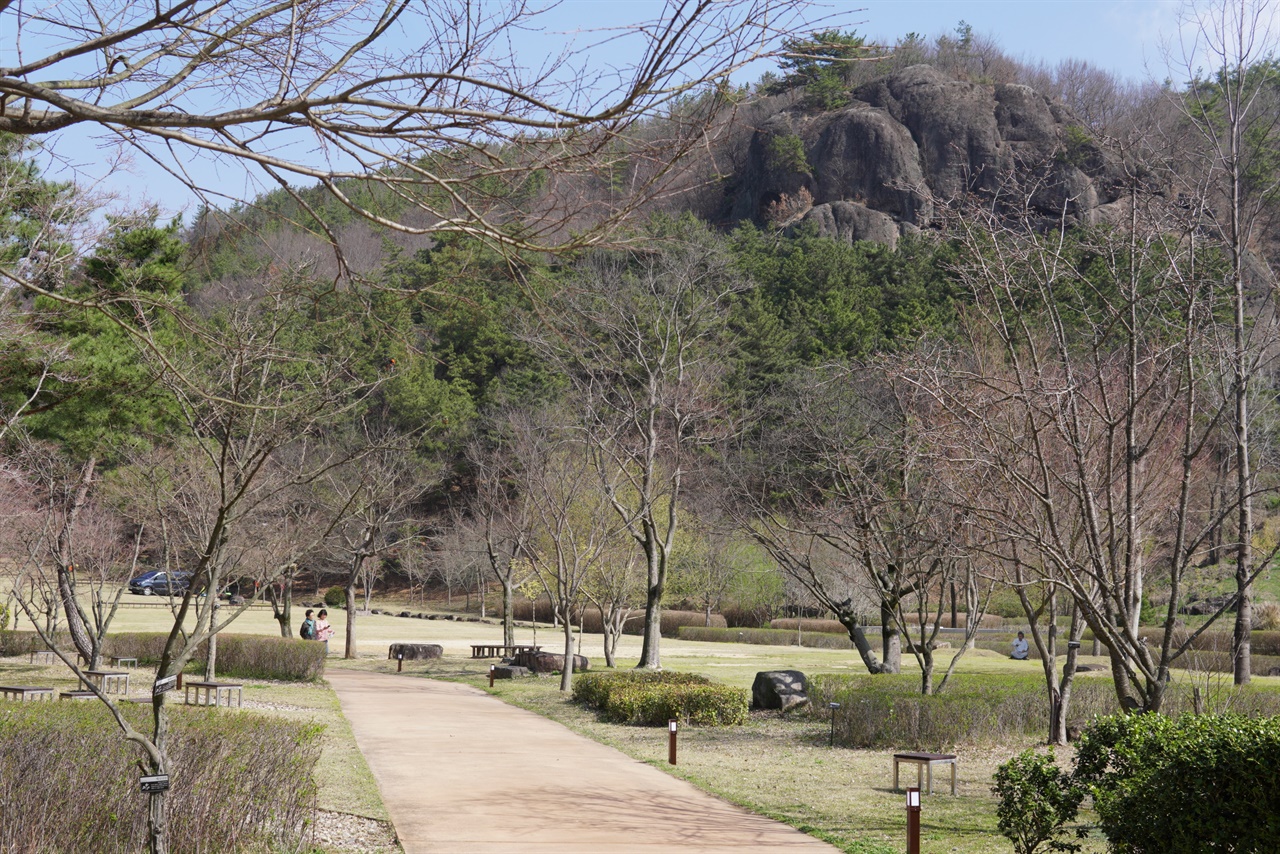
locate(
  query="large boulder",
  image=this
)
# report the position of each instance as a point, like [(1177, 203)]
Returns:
[(875, 169), (549, 662), (415, 651), (779, 689), (509, 671)]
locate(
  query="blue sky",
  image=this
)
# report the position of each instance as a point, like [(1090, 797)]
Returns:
[(1123, 36)]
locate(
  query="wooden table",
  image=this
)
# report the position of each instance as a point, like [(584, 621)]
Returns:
[(210, 693), (45, 656), (497, 650), (923, 762), (110, 681), (77, 695), (124, 662), (26, 692)]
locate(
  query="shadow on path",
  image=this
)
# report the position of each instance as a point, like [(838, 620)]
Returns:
[(461, 772)]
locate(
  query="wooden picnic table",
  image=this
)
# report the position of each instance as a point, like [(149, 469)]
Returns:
[(497, 650), (26, 692), (210, 693), (110, 681), (45, 656), (923, 762), (77, 695)]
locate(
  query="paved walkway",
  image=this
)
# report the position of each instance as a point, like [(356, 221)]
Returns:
[(463, 772)]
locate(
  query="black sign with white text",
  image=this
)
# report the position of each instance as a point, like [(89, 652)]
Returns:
[(155, 783)]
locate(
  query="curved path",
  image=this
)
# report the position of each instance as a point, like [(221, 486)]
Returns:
[(463, 772)]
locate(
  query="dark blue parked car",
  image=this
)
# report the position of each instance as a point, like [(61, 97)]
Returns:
[(160, 583)]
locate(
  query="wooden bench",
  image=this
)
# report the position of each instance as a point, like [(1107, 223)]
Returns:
[(210, 693), (77, 695), (925, 762), (124, 661), (497, 650), (26, 692), (109, 681)]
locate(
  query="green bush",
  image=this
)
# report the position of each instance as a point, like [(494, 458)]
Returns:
[(1036, 801), (260, 657), (19, 642), (239, 656), (768, 637), (1184, 785), (884, 711), (69, 782), (647, 698), (147, 647), (4, 617), (335, 597)]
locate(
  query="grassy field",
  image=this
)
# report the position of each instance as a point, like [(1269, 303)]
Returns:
[(778, 766)]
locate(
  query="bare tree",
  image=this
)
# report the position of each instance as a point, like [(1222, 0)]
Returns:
[(844, 492), (371, 503), (1229, 183), (1083, 393), (575, 528), (420, 117), (640, 337)]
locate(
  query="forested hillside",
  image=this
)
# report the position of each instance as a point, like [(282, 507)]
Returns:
[(915, 331)]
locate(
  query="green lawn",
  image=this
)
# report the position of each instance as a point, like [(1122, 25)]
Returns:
[(775, 765)]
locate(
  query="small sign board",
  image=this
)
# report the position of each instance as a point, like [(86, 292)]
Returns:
[(168, 683), (154, 783)]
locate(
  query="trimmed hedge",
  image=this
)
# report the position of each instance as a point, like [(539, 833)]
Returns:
[(884, 711), (258, 657), (646, 698), (69, 782), (589, 618), (1184, 785), (768, 637), (240, 656)]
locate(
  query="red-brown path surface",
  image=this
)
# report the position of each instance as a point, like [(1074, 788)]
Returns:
[(463, 772)]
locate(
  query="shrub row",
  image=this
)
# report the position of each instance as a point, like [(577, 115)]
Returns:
[(769, 637), (1181, 785), (257, 657), (888, 711), (589, 618), (68, 782), (240, 656), (988, 621), (651, 699)]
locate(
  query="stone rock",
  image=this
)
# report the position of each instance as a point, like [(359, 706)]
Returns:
[(779, 689), (1211, 605), (1087, 668), (851, 222), (550, 662), (473, 619), (873, 170), (403, 614), (1273, 671), (509, 671), (415, 651), (433, 616), (420, 616)]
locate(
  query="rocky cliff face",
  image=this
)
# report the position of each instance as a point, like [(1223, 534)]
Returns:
[(912, 141)]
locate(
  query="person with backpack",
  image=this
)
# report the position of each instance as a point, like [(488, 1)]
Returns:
[(307, 630)]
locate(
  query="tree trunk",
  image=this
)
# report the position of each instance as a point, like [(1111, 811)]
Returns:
[(890, 640), (566, 672), (157, 808), (650, 657), (282, 605), (607, 630), (508, 618), (859, 637), (350, 647), (66, 573)]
